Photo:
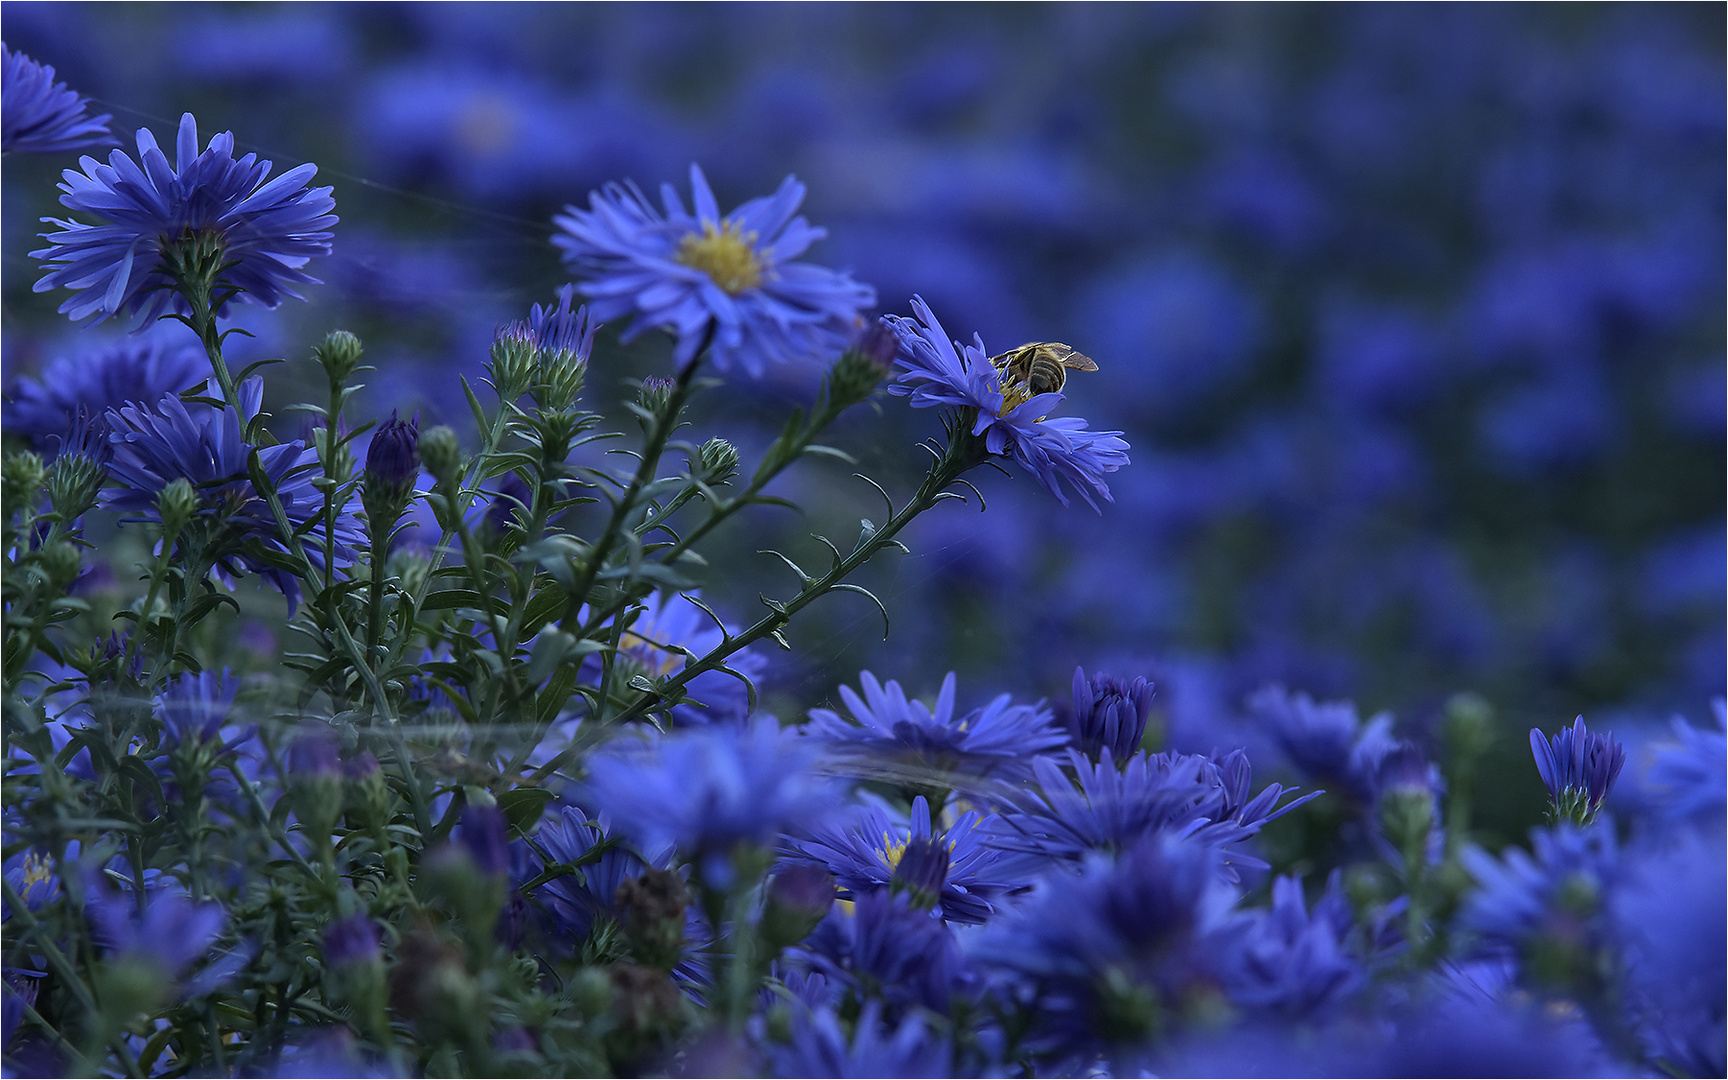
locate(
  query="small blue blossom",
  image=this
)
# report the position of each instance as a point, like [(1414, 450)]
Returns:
[(1114, 809), (1579, 768), (1116, 956), (887, 948), (1000, 739), (194, 706), (1108, 712), (1327, 741), (820, 1047), (1546, 910), (1688, 779), (1293, 963), (729, 279), (153, 447), (865, 849), (173, 932), (41, 116), (1013, 424), (665, 634), (561, 328), (77, 393), (267, 230), (710, 789)]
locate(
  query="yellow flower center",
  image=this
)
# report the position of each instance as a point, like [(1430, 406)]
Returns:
[(725, 253), (651, 654), (38, 871)]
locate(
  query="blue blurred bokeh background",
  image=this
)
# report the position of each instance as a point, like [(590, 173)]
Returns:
[(1413, 315)]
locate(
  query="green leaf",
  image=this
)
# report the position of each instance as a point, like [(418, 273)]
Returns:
[(446, 599), (523, 806)]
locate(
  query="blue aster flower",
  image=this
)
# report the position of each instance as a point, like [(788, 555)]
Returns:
[(153, 447), (1119, 955), (1546, 911), (264, 231), (669, 630), (41, 116), (698, 274), (1013, 422), (1107, 809), (709, 790), (887, 948), (1667, 920), (1579, 768), (1688, 779), (865, 849), (75, 394), (171, 932), (821, 1048), (889, 730), (1294, 963), (1108, 712), (194, 706), (1326, 741)]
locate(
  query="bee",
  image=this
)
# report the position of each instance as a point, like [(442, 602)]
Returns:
[(1041, 367)]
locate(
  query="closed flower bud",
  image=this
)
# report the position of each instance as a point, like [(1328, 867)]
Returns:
[(559, 384), (1108, 713), (651, 910), (60, 563), (315, 777), (655, 398), (176, 503), (514, 359), (1405, 782), (1469, 727), (392, 466), (339, 355), (864, 364), (73, 485), (799, 898), (922, 871), (441, 452), (719, 461), (354, 940), (22, 477)]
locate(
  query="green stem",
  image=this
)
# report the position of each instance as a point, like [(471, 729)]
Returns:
[(964, 451)]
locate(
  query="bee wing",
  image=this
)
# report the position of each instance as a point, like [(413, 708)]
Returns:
[(1079, 361)]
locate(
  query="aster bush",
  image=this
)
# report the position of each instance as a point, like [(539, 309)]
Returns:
[(501, 789)]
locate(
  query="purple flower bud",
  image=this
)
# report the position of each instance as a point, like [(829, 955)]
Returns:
[(314, 754), (1108, 712), (363, 766), (1579, 768), (393, 459), (923, 870), (878, 344), (484, 835), (354, 940)]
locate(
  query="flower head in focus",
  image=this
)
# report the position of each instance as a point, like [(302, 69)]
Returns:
[(156, 446), (73, 394), (210, 205), (41, 116), (1108, 712), (700, 272), (1579, 768), (887, 947), (1001, 739), (1058, 451), (865, 852)]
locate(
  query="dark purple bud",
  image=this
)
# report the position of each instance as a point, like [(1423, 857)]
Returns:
[(393, 458), (1108, 713), (923, 870), (1405, 768), (799, 898), (354, 940), (484, 834), (513, 494), (877, 344), (363, 766), (314, 754)]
